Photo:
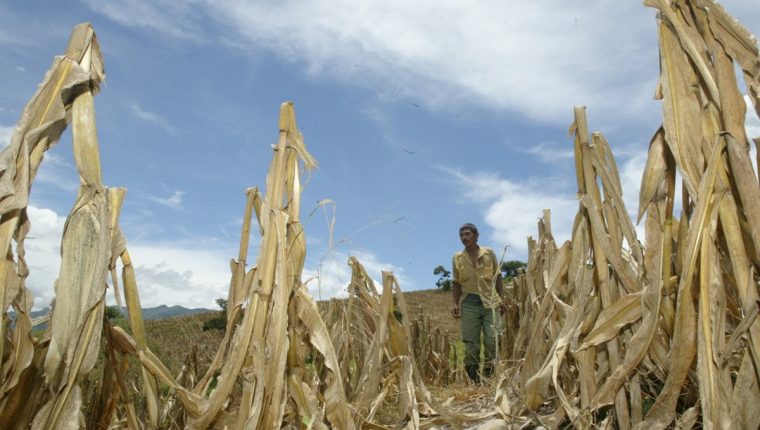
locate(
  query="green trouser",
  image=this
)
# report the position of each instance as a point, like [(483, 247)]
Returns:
[(476, 317)]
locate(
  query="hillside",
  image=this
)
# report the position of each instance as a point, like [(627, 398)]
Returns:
[(436, 305), (163, 311), (172, 339), (154, 313), (175, 340)]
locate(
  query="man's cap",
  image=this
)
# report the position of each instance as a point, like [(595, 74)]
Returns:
[(470, 226)]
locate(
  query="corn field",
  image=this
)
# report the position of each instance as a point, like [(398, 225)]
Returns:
[(603, 331), (618, 334)]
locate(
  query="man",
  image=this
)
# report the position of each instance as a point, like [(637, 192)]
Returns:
[(477, 292)]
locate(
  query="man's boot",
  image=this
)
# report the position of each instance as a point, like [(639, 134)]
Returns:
[(472, 373), (487, 371)]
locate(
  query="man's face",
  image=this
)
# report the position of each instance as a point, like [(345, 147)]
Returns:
[(468, 237)]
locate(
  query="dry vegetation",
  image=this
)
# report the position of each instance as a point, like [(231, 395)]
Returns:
[(605, 331), (643, 337)]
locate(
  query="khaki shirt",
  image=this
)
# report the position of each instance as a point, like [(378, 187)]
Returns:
[(477, 279)]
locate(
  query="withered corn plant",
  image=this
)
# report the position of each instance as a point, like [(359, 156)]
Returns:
[(281, 363), (616, 334), (433, 352), (374, 336), (40, 378), (276, 366)]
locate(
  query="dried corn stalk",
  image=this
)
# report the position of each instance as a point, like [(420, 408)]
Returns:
[(66, 94), (669, 332)]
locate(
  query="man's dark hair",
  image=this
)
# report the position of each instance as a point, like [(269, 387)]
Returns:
[(469, 226)]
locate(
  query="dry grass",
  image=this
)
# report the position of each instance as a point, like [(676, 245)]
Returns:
[(435, 305)]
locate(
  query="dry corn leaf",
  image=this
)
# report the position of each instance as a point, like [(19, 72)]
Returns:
[(738, 42), (681, 107), (654, 171), (683, 347), (624, 311), (712, 388)]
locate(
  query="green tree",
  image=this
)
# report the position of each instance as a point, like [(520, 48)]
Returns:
[(444, 278), (113, 312), (219, 322), (117, 316), (509, 268), (222, 303)]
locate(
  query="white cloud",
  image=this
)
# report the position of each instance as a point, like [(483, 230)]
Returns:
[(751, 121), (20, 69), (177, 19), (183, 272), (43, 253), (151, 117), (178, 272), (174, 201), (5, 135), (512, 209), (444, 54), (548, 152), (752, 125), (330, 277), (536, 59), (631, 171)]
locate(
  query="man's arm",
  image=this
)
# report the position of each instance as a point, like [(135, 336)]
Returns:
[(456, 289), (500, 292), (456, 293)]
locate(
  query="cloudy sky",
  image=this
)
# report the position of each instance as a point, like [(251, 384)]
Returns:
[(422, 115)]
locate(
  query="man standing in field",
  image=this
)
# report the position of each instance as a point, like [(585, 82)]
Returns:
[(477, 292)]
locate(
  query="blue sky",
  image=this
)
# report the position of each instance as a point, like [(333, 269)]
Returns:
[(422, 115)]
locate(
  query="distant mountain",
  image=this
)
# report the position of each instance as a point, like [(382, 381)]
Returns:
[(155, 313), (163, 311)]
